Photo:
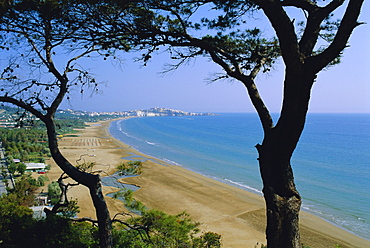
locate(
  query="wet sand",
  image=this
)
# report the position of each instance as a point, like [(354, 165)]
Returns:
[(238, 215)]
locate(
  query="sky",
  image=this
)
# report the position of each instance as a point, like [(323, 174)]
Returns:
[(344, 88)]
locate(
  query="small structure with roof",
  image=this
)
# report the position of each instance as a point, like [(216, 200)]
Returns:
[(35, 167)]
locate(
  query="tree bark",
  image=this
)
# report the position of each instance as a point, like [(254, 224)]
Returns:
[(282, 199), (281, 196), (102, 214)]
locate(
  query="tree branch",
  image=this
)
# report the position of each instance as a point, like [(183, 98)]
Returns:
[(314, 26), (222, 58), (69, 62), (307, 5), (23, 105), (347, 25), (85, 219), (284, 29), (248, 81), (133, 227)]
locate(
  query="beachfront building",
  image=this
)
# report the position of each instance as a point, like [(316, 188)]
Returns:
[(35, 167)]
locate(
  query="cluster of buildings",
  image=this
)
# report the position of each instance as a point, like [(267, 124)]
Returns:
[(7, 118), (157, 111)]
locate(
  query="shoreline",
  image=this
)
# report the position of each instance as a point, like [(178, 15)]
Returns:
[(238, 215), (304, 208)]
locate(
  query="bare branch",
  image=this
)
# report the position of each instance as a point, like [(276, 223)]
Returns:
[(284, 29), (347, 25), (84, 219), (23, 105), (83, 54), (227, 60), (314, 26), (307, 5)]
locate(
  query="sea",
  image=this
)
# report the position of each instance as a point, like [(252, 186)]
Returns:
[(331, 163)]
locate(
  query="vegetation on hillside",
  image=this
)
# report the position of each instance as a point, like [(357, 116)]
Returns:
[(25, 144), (152, 229), (18, 227)]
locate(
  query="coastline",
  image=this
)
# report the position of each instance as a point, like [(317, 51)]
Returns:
[(236, 214)]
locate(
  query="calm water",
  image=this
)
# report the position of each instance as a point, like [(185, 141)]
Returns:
[(331, 162)]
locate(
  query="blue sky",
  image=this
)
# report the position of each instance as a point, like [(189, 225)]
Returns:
[(340, 89)]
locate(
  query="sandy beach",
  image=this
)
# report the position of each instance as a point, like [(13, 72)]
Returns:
[(238, 215)]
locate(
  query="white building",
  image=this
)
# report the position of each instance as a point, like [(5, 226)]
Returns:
[(34, 167)]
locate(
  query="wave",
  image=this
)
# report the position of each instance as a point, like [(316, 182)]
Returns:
[(352, 224), (133, 137), (170, 161), (243, 186)]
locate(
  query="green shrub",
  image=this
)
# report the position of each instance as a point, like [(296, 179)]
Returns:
[(54, 192), (156, 229), (129, 168)]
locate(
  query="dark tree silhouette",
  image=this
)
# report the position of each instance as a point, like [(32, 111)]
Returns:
[(45, 42), (33, 34), (306, 47)]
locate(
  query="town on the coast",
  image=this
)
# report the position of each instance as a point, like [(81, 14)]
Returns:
[(157, 111), (9, 117)]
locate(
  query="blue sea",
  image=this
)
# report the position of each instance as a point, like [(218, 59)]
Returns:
[(331, 162)]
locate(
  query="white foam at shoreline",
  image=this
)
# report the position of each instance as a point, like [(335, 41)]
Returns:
[(244, 186)]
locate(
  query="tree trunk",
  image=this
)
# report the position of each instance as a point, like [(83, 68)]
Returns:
[(102, 214), (282, 199), (91, 181)]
